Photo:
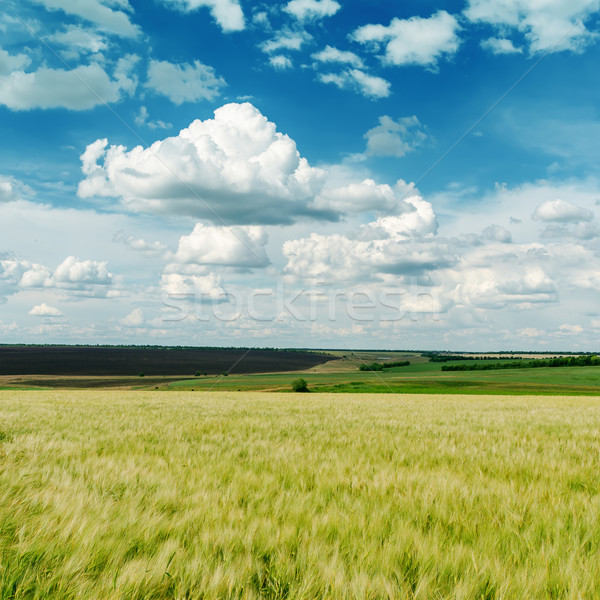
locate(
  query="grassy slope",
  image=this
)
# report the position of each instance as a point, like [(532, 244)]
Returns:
[(120, 495), (417, 378)]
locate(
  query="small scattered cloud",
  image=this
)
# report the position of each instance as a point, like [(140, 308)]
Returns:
[(306, 10), (12, 189), (280, 62), (184, 82), (227, 13), (78, 41), (138, 244), (114, 21), (497, 233), (143, 120), (332, 55), (414, 41), (355, 79), (286, 39), (531, 332), (209, 286), (561, 211), (75, 272), (395, 138), (43, 310), (500, 46), (570, 329), (134, 319)]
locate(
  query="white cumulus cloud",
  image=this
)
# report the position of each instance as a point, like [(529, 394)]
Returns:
[(500, 46), (547, 24), (312, 9), (235, 168), (134, 319), (224, 246), (414, 41), (79, 41), (43, 310), (561, 211), (73, 271), (139, 244), (143, 120), (332, 55), (286, 40), (393, 244), (395, 138), (185, 82), (280, 62), (81, 88), (227, 13), (12, 189), (98, 12), (12, 62), (368, 85)]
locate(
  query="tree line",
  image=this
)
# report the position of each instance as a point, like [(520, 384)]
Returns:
[(383, 366), (563, 361)]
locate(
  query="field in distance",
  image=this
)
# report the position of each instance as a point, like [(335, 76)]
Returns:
[(143, 495), (336, 371), (419, 377)]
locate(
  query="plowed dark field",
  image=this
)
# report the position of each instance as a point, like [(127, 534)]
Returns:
[(84, 360)]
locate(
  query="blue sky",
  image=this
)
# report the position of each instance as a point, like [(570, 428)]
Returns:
[(300, 173)]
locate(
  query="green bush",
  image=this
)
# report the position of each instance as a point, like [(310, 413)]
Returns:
[(300, 385)]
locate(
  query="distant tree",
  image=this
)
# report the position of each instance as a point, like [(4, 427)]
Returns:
[(300, 385), (225, 373), (142, 374), (198, 373)]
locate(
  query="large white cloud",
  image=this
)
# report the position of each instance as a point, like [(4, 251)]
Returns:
[(185, 82), (235, 168), (227, 13), (98, 12), (414, 41), (81, 88), (392, 244), (547, 24), (312, 9)]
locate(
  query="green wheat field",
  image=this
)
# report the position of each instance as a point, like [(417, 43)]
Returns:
[(148, 495)]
